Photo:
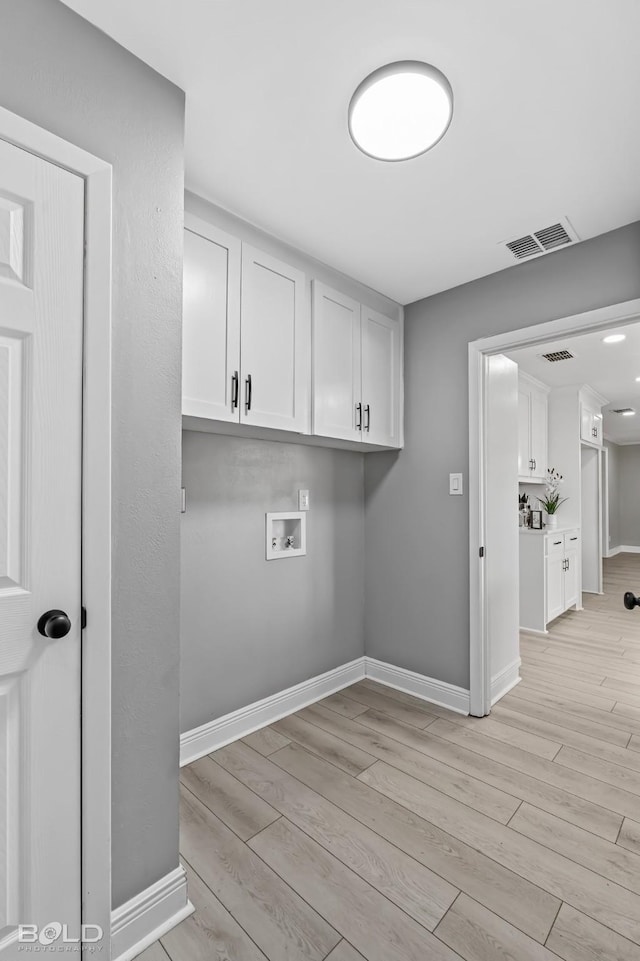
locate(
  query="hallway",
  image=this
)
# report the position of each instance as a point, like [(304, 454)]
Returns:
[(376, 826)]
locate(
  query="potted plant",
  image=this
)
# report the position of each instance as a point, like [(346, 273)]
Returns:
[(552, 500)]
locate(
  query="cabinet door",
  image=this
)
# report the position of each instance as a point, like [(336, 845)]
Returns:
[(524, 432), (381, 379), (336, 352), (571, 578), (211, 322), (597, 428), (555, 585), (586, 424), (275, 342), (539, 413)]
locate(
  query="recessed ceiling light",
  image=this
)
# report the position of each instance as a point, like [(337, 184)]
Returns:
[(637, 380), (400, 110), (628, 413), (613, 338)]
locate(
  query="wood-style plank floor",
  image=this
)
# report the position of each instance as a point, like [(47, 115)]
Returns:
[(376, 827)]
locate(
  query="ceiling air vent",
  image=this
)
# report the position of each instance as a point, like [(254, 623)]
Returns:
[(622, 410), (543, 241), (557, 355)]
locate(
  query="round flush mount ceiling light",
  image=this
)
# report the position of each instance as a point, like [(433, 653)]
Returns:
[(400, 110), (613, 338)]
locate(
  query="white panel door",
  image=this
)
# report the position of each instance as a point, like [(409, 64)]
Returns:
[(336, 352), (539, 407), (501, 489), (211, 323), (524, 433), (41, 291), (274, 344), (381, 373)]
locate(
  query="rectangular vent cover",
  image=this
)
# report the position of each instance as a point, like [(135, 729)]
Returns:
[(542, 241), (622, 410), (556, 355)]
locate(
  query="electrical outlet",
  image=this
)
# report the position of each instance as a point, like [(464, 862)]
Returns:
[(303, 500)]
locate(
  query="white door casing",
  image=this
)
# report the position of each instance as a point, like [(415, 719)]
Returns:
[(501, 540), (211, 322), (41, 316), (337, 357)]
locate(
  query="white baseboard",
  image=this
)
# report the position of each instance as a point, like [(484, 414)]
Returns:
[(209, 737), (147, 916), (505, 680), (427, 688), (627, 549), (223, 730)]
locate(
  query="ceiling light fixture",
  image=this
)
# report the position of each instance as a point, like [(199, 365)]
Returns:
[(613, 338), (400, 110), (628, 413), (637, 380)]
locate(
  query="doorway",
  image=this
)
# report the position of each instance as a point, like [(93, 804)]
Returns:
[(486, 525), (55, 535)]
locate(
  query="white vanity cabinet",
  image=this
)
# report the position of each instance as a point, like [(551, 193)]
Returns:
[(549, 576), (357, 370), (246, 336), (533, 402)]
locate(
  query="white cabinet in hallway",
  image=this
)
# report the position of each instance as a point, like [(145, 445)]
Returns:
[(549, 576), (532, 429), (591, 404), (357, 368), (245, 334)]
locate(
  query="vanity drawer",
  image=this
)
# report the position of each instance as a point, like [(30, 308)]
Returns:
[(554, 544), (571, 540)]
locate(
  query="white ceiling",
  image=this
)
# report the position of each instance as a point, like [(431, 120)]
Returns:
[(611, 369), (545, 123)]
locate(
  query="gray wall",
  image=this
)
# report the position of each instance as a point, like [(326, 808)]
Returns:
[(629, 488), (60, 72), (614, 495), (417, 537), (252, 627)]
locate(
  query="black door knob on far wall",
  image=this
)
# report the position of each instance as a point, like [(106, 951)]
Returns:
[(631, 601), (54, 624)]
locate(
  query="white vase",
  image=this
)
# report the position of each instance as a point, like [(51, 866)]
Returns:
[(552, 521)]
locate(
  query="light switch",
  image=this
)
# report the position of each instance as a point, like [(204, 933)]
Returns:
[(455, 483), (303, 500)]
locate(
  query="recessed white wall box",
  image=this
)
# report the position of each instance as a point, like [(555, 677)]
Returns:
[(303, 500), (286, 534), (455, 483)]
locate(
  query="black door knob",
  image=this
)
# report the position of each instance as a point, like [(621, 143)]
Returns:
[(54, 624), (631, 601)]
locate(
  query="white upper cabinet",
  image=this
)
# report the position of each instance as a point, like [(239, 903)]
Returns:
[(250, 358), (533, 404), (590, 424), (381, 378), (357, 371), (337, 353), (211, 323), (274, 344)]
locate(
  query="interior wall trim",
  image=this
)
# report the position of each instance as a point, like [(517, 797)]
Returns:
[(223, 730), (427, 688), (146, 917), (505, 680)]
